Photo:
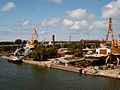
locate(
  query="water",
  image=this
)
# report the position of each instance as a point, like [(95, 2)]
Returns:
[(29, 77)]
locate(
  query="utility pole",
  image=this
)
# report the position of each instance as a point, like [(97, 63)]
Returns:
[(70, 39), (53, 40)]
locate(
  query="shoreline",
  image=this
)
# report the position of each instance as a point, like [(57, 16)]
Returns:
[(93, 71), (110, 73)]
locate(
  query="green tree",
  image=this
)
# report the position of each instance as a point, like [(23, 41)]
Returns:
[(8, 49), (39, 54), (73, 46), (51, 52), (18, 41), (24, 41)]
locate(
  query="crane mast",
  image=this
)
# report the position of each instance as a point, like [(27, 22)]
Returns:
[(31, 43), (34, 35), (110, 31)]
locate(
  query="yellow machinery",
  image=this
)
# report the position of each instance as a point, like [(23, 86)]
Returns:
[(110, 31), (31, 44), (115, 44)]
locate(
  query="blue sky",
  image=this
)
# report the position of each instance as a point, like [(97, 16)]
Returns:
[(82, 19)]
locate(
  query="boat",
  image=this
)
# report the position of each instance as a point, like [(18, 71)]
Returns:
[(14, 59)]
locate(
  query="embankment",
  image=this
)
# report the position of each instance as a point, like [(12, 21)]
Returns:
[(51, 65), (113, 73)]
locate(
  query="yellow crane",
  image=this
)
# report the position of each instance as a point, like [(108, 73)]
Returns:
[(31, 44), (115, 44)]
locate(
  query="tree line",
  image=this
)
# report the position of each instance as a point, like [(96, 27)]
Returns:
[(42, 52)]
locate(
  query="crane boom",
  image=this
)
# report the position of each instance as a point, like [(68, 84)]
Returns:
[(110, 31), (31, 44), (34, 35)]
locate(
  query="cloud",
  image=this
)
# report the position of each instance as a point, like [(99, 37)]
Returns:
[(112, 9), (99, 24), (91, 17), (67, 22), (25, 23), (77, 14), (81, 19), (51, 22), (77, 25), (8, 6), (80, 25), (57, 1), (84, 24)]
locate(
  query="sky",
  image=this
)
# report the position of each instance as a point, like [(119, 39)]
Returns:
[(80, 19)]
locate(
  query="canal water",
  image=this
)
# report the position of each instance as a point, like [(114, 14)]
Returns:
[(29, 77)]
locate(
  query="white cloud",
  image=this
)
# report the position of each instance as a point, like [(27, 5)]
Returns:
[(91, 17), (80, 19), (99, 24), (112, 9), (67, 22), (8, 6), (75, 26), (25, 23), (85, 24), (57, 1), (80, 25), (51, 22), (77, 14)]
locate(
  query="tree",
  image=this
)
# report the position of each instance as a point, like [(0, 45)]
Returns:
[(18, 41), (8, 49), (73, 46), (39, 54), (24, 41), (51, 52)]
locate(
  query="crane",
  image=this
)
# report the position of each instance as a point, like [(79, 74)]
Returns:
[(31, 44), (22, 52), (115, 44), (110, 31)]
